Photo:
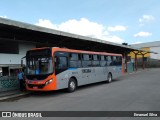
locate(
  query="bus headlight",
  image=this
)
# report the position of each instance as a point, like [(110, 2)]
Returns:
[(49, 81)]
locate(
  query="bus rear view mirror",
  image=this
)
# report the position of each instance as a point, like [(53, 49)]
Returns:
[(21, 63), (57, 61)]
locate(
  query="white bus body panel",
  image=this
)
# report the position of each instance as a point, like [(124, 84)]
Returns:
[(87, 75)]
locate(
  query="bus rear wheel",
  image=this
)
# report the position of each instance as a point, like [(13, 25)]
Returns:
[(72, 85), (109, 78)]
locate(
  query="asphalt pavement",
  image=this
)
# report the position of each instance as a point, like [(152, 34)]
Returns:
[(139, 91)]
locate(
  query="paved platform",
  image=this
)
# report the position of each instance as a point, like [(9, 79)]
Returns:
[(11, 94), (138, 91), (18, 93)]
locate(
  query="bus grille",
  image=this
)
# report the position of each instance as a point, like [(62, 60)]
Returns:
[(38, 86)]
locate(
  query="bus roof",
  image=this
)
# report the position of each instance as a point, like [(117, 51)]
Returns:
[(54, 49), (82, 51)]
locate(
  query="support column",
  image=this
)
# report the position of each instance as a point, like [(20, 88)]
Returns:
[(126, 64), (9, 73), (136, 68), (123, 64), (143, 64)]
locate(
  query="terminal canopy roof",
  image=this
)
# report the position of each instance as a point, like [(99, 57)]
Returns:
[(22, 32)]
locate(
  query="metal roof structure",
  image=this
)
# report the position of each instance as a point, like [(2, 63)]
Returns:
[(11, 30), (148, 44)]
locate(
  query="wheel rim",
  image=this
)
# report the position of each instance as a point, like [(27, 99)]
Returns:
[(72, 85), (109, 78)]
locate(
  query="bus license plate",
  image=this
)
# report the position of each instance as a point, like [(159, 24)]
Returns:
[(35, 87)]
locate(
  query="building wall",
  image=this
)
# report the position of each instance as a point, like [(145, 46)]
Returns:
[(155, 56), (140, 56), (13, 59)]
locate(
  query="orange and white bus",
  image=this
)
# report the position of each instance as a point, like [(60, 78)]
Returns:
[(58, 68)]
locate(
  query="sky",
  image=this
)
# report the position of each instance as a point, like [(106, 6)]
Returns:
[(119, 21)]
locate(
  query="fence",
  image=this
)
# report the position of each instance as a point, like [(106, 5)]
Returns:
[(8, 83), (130, 66), (150, 63)]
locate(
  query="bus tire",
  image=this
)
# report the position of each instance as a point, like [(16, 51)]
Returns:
[(72, 85), (109, 78)]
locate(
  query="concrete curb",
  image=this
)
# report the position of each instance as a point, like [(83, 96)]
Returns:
[(13, 96), (135, 72)]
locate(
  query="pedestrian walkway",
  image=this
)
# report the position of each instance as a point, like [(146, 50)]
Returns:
[(8, 93), (17, 93), (12, 94)]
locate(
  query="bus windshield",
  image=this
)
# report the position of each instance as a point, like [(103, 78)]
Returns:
[(39, 65)]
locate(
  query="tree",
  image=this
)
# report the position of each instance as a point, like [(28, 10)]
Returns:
[(125, 43)]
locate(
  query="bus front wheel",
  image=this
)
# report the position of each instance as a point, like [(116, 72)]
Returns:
[(109, 78), (72, 85)]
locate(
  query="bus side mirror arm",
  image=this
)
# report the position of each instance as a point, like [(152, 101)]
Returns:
[(56, 60), (22, 64)]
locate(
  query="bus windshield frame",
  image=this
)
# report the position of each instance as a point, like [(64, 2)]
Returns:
[(39, 62)]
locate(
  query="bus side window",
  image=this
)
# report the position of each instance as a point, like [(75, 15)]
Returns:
[(109, 61), (86, 60), (79, 60), (103, 62), (56, 61), (119, 60), (111, 64), (95, 61), (73, 60), (114, 60), (61, 62)]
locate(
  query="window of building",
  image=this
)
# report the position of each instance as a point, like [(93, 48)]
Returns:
[(9, 47)]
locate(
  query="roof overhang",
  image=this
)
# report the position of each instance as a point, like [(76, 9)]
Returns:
[(141, 51), (22, 32)]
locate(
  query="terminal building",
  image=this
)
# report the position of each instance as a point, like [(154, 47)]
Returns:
[(10, 56), (16, 38), (151, 59), (149, 46)]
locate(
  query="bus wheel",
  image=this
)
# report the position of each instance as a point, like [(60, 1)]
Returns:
[(109, 78), (72, 85)]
